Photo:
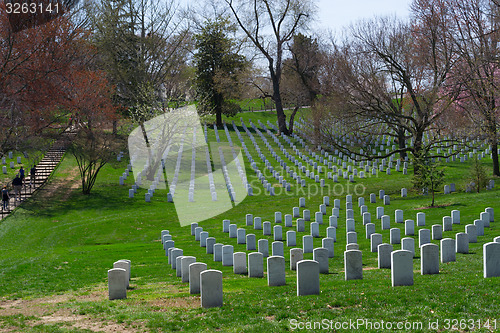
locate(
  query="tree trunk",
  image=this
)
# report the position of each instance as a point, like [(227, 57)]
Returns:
[(402, 143), (279, 104), (115, 127), (494, 156), (218, 118), (417, 148), (292, 118), (218, 110)]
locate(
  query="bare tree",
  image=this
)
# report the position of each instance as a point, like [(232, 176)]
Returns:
[(270, 25), (388, 83), (477, 76), (301, 84)]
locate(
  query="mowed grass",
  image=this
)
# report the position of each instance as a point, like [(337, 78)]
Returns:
[(60, 244)]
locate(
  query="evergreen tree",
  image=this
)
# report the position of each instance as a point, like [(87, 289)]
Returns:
[(218, 66), (478, 175), (427, 175)]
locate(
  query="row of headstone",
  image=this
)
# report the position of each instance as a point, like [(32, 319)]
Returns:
[(118, 279), (203, 281)]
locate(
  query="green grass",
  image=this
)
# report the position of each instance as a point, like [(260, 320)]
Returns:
[(64, 244), (255, 104)]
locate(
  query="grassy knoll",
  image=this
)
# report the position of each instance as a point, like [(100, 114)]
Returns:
[(56, 249)]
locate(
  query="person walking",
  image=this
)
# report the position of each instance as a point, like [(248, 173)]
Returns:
[(17, 184), (5, 198), (21, 174), (32, 176)]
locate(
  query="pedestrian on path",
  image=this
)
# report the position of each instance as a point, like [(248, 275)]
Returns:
[(21, 174), (5, 198), (17, 184), (32, 176)]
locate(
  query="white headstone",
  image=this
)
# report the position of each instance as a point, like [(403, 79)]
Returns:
[(211, 288), (448, 253), (307, 243), (380, 212), (251, 242), (233, 230), (255, 265), (395, 236), (300, 225), (210, 245), (351, 237), (437, 232), (239, 263), (455, 216), (479, 227), (291, 238), (329, 244), (485, 217), (266, 228), (408, 244), (276, 271), (471, 231), (398, 216), (366, 218), (491, 259), (117, 283), (185, 262), (424, 237), (384, 255), (385, 221), (263, 247), (278, 233), (462, 243), (429, 261), (194, 273), (320, 255), (375, 240), (420, 219), (173, 256), (227, 255), (308, 277), (353, 265), (296, 255), (409, 227), (401, 268)]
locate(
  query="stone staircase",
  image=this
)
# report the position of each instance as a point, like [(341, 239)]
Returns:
[(44, 169)]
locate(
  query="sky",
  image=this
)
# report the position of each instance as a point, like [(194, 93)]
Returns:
[(336, 14)]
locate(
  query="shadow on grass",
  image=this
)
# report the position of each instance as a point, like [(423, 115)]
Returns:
[(105, 197)]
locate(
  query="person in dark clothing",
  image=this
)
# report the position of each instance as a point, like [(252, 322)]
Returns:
[(21, 174), (5, 198), (17, 184), (32, 176)]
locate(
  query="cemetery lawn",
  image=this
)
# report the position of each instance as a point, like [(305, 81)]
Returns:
[(56, 248)]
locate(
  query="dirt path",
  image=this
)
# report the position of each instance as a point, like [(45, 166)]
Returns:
[(87, 310), (54, 310)]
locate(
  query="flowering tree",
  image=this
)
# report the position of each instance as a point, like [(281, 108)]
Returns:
[(89, 98), (34, 64), (476, 79)]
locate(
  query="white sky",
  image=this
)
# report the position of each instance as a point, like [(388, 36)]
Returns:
[(336, 14)]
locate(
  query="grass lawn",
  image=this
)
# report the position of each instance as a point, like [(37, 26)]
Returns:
[(57, 247)]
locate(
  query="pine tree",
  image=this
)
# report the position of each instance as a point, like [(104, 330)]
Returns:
[(478, 175), (427, 176), (217, 68)]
